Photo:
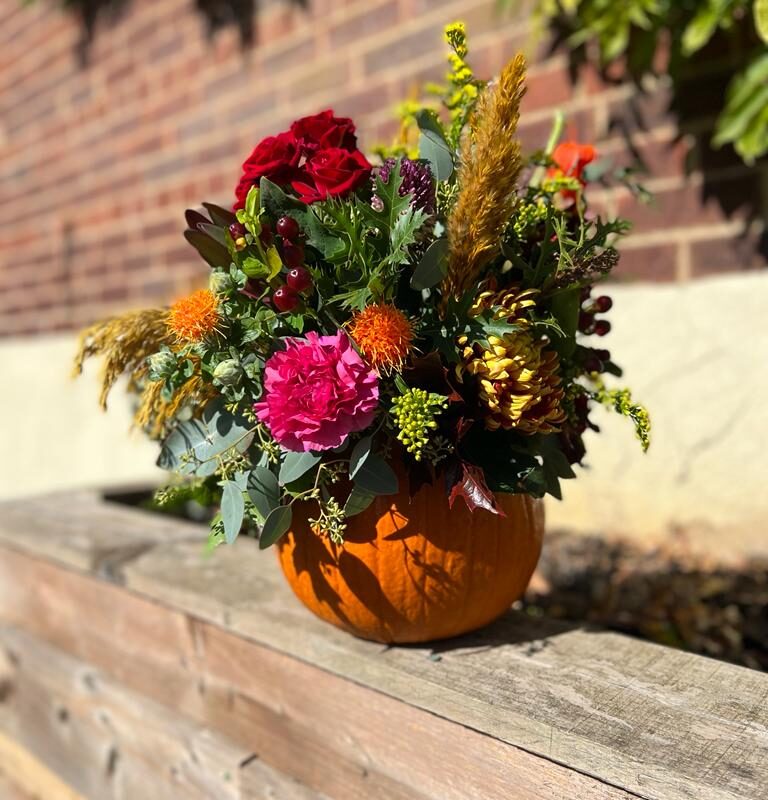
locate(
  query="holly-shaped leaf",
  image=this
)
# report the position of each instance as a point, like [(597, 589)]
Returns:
[(468, 482)]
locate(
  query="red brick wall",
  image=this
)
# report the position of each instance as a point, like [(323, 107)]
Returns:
[(97, 164)]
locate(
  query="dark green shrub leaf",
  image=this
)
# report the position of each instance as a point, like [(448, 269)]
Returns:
[(360, 453), (433, 266), (358, 500), (376, 476)]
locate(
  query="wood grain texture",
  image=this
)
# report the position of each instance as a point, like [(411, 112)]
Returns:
[(555, 711), (24, 777), (102, 740)]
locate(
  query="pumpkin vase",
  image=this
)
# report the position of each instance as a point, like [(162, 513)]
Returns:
[(413, 570)]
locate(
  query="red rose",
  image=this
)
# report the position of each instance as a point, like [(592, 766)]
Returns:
[(275, 157), (323, 130), (332, 173)]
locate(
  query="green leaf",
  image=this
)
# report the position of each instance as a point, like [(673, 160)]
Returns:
[(277, 523), (263, 490), (760, 10), (703, 25), (433, 266), (232, 510), (358, 500), (212, 251), (565, 309), (295, 465), (221, 216), (360, 453), (376, 476), (215, 232), (433, 146)]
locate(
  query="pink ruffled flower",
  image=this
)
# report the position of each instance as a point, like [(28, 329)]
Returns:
[(316, 392)]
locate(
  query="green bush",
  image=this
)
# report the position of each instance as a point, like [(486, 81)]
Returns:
[(632, 30)]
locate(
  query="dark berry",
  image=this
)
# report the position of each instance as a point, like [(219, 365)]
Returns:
[(593, 364), (299, 279), (293, 254), (586, 321), (236, 230), (285, 299), (603, 304), (603, 355), (585, 293), (266, 237), (288, 228), (581, 405), (602, 326)]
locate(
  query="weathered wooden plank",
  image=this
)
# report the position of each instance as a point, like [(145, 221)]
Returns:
[(259, 781), (102, 740), (23, 777), (82, 530), (656, 722), (336, 737)]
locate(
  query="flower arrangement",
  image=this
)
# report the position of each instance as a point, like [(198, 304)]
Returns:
[(371, 328)]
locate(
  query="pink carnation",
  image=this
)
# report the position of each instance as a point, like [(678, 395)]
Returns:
[(316, 392)]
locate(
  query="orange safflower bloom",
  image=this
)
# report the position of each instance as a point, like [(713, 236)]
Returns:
[(195, 317), (384, 335)]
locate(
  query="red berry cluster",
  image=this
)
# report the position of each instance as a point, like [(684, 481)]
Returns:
[(298, 279), (589, 309)]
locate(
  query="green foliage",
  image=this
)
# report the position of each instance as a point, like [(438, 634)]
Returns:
[(633, 28), (620, 400)]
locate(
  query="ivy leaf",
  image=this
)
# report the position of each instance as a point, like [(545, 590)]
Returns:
[(468, 482), (232, 510), (359, 499), (433, 266), (376, 476), (275, 525), (295, 465)]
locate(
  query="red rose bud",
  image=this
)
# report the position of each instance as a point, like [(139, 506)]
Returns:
[(603, 304), (602, 327), (275, 157), (299, 279), (293, 254), (285, 299), (288, 228)]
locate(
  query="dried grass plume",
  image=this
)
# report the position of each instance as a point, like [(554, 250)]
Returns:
[(490, 167)]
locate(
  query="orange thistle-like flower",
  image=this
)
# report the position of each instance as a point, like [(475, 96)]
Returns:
[(384, 334), (193, 318)]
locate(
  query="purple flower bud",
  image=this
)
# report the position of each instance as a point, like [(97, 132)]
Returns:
[(417, 180)]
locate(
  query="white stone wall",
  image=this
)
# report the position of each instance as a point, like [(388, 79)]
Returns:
[(696, 354)]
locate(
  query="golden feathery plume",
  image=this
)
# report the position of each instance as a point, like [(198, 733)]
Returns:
[(125, 342), (154, 411), (487, 179)]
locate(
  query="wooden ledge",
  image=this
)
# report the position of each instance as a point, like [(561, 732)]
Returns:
[(243, 694)]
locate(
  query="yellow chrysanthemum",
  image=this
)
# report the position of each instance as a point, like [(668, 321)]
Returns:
[(195, 317), (384, 335), (518, 377)]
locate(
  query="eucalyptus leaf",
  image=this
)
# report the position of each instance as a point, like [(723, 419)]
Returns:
[(433, 266), (434, 149), (360, 453), (359, 499), (277, 524), (295, 465), (376, 476), (263, 490), (232, 510)]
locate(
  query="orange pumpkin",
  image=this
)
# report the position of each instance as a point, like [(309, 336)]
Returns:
[(412, 570)]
